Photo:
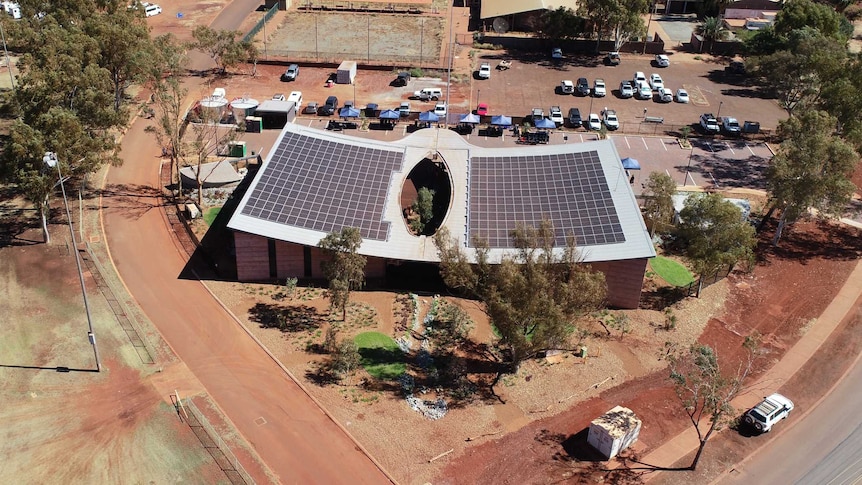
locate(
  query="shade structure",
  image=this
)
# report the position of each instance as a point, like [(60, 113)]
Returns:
[(390, 114), (501, 121), (471, 118), (630, 163), (349, 112), (544, 123), (428, 116)]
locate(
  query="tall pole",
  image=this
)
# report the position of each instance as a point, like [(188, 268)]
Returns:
[(6, 53), (649, 22), (264, 33), (718, 114), (451, 55), (50, 159), (368, 37), (421, 39)]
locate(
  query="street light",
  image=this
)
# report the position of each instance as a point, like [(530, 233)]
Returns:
[(718, 114), (50, 159)]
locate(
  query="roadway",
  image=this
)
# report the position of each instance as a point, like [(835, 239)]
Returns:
[(824, 448), (285, 427)]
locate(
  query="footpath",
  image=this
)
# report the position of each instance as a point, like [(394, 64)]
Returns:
[(686, 442)]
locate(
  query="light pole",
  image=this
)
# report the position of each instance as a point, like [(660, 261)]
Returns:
[(50, 159), (718, 114), (687, 167)]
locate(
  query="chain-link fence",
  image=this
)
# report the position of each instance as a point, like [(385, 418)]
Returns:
[(216, 446)]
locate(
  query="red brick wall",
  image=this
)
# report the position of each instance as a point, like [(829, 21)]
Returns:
[(625, 280), (289, 259), (252, 257)]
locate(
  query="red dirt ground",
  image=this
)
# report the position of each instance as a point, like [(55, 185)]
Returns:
[(790, 286)]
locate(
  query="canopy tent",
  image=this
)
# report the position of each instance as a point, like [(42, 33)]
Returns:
[(470, 118), (501, 121), (349, 112), (544, 123), (630, 163), (428, 116), (390, 114)]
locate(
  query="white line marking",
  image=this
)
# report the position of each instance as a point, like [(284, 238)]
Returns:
[(749, 149), (730, 148), (664, 145), (582, 137), (645, 145), (627, 142), (710, 147)]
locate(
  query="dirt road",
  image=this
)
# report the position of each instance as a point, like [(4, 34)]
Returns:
[(286, 428)]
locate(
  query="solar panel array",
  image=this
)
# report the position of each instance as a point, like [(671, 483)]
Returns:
[(569, 189), (325, 185)]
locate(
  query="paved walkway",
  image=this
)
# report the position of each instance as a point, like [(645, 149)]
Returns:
[(686, 442)]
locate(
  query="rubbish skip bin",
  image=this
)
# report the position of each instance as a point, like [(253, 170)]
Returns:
[(237, 149)]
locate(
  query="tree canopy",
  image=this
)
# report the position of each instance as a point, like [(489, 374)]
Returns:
[(811, 169), (343, 266), (714, 233), (223, 46), (533, 297), (658, 207)]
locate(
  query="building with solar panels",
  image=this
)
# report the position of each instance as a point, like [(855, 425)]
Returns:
[(316, 182)]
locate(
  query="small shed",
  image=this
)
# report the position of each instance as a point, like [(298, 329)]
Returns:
[(275, 114), (614, 431), (346, 72)]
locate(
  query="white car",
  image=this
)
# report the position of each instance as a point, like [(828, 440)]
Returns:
[(638, 78), (296, 98), (681, 96), (665, 95), (772, 409), (599, 89), (556, 115), (626, 89), (609, 117), (151, 9), (485, 71), (662, 60), (440, 109), (643, 91), (656, 82), (594, 123), (567, 87)]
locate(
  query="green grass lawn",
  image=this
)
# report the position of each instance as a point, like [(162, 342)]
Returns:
[(211, 214), (381, 356), (671, 271)]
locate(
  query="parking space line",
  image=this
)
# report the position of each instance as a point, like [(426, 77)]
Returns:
[(749, 149), (710, 147), (645, 145), (663, 144), (730, 148), (627, 142), (582, 137)]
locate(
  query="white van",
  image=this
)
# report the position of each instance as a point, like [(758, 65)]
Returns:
[(428, 93), (151, 9), (296, 97)]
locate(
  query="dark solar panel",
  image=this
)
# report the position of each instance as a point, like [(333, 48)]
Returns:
[(325, 185), (568, 188)]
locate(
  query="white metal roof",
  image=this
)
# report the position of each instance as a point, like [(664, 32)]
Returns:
[(455, 152)]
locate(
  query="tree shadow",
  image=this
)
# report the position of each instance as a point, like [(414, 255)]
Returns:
[(131, 200), (830, 241), (291, 319)]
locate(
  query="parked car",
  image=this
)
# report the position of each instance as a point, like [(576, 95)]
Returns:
[(681, 96), (583, 86), (626, 89), (537, 114), (311, 108), (291, 73), (482, 109), (402, 79), (643, 91), (593, 122), (655, 82), (574, 118), (404, 109), (485, 71), (440, 109), (772, 409), (730, 125), (150, 9), (613, 59), (556, 115), (567, 87), (638, 78), (426, 94), (662, 60), (665, 95), (708, 123), (296, 97), (556, 53), (278, 97), (330, 106), (609, 117), (599, 88)]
